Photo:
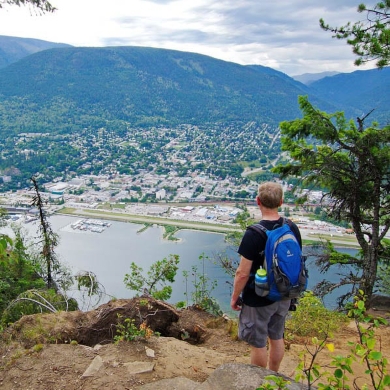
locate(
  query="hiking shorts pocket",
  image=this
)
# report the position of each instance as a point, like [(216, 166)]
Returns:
[(250, 329), (246, 331)]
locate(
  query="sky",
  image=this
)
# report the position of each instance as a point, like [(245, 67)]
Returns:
[(281, 34)]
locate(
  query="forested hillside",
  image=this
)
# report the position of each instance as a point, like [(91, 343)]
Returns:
[(365, 89), (72, 88)]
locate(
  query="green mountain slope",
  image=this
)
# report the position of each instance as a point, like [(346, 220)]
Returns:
[(77, 87), (366, 90)]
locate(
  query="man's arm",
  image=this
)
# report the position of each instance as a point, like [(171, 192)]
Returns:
[(240, 279)]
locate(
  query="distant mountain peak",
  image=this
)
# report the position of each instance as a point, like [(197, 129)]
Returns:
[(13, 49), (308, 78)]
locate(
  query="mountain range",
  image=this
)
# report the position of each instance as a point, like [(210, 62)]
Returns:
[(13, 49), (308, 78), (65, 89)]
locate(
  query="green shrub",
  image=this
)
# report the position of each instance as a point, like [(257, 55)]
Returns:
[(126, 330), (312, 318), (337, 376), (160, 273), (367, 351), (36, 301)]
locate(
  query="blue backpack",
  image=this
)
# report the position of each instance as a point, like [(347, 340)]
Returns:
[(286, 270)]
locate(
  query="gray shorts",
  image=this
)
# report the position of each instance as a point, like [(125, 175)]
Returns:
[(256, 324)]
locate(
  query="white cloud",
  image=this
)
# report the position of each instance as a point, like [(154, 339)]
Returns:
[(281, 34)]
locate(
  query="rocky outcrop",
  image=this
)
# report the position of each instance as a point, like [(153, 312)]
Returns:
[(230, 376)]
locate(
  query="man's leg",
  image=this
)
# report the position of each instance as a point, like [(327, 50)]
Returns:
[(256, 323), (259, 356), (276, 353), (276, 335), (253, 328)]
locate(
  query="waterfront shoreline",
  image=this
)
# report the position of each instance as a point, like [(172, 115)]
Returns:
[(140, 219), (307, 236)]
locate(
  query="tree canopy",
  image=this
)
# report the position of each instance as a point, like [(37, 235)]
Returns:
[(369, 38), (352, 162), (41, 5)]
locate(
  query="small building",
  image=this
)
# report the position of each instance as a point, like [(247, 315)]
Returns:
[(202, 212), (161, 194), (6, 179), (187, 209)]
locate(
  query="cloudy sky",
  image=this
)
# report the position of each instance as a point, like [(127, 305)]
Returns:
[(282, 34)]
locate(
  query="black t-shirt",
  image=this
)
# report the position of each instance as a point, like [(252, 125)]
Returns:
[(252, 246)]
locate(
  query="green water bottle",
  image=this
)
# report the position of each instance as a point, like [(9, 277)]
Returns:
[(261, 283)]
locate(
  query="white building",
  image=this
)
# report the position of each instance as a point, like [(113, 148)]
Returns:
[(161, 194)]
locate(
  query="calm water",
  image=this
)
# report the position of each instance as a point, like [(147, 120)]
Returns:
[(110, 253)]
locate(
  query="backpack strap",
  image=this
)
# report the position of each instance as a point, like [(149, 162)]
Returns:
[(262, 230), (259, 228), (288, 221)]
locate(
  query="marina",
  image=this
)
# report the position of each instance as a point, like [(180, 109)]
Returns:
[(90, 225)]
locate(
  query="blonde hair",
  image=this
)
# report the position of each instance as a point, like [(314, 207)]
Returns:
[(270, 194)]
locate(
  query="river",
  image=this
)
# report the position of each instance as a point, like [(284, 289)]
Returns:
[(109, 254)]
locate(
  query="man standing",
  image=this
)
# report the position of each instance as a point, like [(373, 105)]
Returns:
[(260, 318)]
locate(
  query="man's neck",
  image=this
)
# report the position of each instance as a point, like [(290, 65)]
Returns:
[(269, 214)]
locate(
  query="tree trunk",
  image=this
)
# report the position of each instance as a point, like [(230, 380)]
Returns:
[(369, 271)]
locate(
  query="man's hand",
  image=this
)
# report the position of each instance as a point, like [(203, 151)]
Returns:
[(240, 279), (236, 303)]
